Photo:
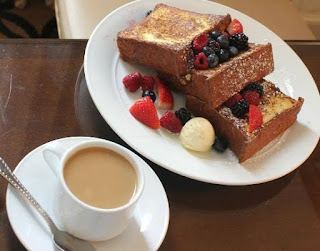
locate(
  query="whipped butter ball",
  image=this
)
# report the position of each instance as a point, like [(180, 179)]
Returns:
[(197, 135)]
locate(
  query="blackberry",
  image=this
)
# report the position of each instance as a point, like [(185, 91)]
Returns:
[(214, 45), (148, 12), (239, 40), (255, 87), (183, 115), (240, 108), (150, 94), (220, 144)]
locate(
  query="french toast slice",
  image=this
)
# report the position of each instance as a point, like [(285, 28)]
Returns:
[(278, 110), (215, 86), (163, 39)]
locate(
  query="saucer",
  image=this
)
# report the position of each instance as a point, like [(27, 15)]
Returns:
[(146, 230)]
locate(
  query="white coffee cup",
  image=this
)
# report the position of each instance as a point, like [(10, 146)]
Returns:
[(78, 218)]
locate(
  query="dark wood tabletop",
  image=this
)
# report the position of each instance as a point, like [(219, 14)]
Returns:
[(40, 101)]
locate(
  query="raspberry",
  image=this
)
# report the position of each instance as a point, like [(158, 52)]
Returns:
[(132, 81), (171, 122), (233, 100), (183, 115), (201, 61), (240, 108), (252, 97), (147, 83), (199, 42), (255, 118)]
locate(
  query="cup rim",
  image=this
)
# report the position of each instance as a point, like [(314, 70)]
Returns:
[(126, 153)]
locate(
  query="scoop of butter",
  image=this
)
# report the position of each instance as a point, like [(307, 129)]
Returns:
[(197, 135)]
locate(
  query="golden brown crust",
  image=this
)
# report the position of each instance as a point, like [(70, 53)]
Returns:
[(163, 40), (244, 145), (215, 86)]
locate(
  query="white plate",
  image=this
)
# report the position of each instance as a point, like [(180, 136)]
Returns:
[(104, 72), (145, 232)]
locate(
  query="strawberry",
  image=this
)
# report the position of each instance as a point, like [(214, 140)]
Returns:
[(165, 98), (171, 122), (251, 97), (147, 83), (145, 111), (199, 42), (235, 27), (132, 81), (255, 118), (233, 100)]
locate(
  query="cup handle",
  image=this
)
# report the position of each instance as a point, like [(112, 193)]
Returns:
[(52, 154)]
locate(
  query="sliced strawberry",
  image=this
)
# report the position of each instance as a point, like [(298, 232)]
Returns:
[(199, 42), (235, 27), (233, 100), (132, 81), (145, 111), (147, 83), (165, 98), (251, 97), (255, 118), (171, 122)]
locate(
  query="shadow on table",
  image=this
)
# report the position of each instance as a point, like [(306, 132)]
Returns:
[(180, 190)]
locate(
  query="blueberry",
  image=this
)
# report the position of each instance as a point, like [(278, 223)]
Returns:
[(215, 34), (220, 145), (223, 55), (150, 94), (148, 12), (233, 51), (213, 60), (208, 50), (223, 41)]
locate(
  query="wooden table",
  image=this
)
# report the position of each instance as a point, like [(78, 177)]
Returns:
[(39, 102)]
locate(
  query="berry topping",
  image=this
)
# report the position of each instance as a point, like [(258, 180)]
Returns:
[(252, 97), (240, 108), (223, 55), (132, 81), (235, 27), (255, 118), (215, 34), (233, 100), (148, 12), (171, 122), (199, 42), (200, 61), (165, 98), (150, 94), (214, 45), (183, 115), (213, 60), (220, 144), (233, 51), (147, 83), (145, 111), (239, 40), (208, 50), (255, 87), (223, 41)]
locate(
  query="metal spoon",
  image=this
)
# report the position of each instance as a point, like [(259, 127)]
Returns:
[(63, 240)]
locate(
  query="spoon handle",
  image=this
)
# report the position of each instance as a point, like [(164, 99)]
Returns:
[(6, 172)]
